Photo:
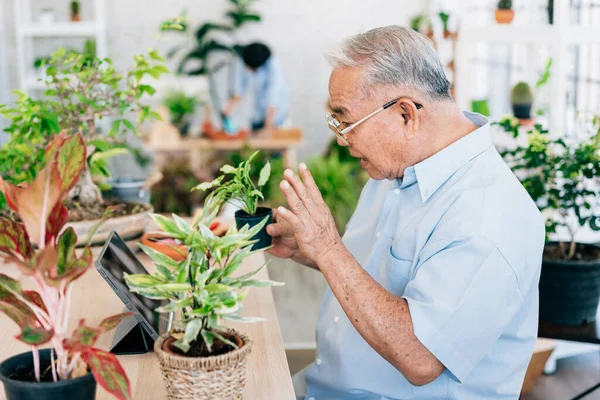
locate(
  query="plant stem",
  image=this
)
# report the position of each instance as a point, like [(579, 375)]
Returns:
[(53, 364), (36, 362)]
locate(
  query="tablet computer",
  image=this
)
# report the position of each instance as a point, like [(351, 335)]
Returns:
[(137, 333)]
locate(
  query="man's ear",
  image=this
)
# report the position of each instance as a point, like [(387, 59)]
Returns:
[(409, 112)]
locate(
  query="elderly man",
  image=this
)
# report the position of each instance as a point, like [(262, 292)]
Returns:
[(433, 290)]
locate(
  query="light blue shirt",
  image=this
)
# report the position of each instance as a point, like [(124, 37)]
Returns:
[(461, 240), (270, 89)]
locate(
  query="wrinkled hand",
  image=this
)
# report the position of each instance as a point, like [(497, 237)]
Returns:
[(308, 216), (284, 242)]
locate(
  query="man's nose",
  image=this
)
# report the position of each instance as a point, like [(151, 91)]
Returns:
[(341, 141)]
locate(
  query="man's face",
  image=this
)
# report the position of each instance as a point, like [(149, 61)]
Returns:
[(380, 142)]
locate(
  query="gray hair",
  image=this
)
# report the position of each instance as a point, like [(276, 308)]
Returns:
[(394, 55)]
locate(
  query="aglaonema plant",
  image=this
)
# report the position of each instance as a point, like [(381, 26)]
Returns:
[(236, 183), (45, 253), (202, 288)]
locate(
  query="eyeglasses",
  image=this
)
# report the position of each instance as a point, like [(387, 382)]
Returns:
[(340, 132)]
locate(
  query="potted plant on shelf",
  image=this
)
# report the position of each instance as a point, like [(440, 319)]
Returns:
[(75, 6), (504, 12), (521, 98), (236, 185), (445, 17), (181, 109), (562, 179), (41, 252), (201, 356)]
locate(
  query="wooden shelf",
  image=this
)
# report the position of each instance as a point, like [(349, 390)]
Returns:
[(61, 29)]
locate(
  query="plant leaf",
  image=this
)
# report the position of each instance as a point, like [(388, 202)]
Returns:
[(222, 339), (160, 259), (228, 169), (217, 288), (68, 156), (108, 372), (265, 173), (35, 336), (112, 322), (56, 221), (244, 319), (192, 330), (207, 336), (14, 238)]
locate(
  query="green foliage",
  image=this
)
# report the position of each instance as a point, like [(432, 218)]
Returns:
[(180, 106), (271, 191), (505, 5), (75, 7), (420, 23), (445, 17), (206, 41), (340, 180), (560, 178), (545, 76), (201, 289), (521, 94), (236, 183), (81, 89)]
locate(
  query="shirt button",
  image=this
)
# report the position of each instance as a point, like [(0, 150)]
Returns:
[(336, 319), (319, 361), (396, 191)]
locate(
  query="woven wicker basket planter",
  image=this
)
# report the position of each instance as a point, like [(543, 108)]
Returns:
[(215, 377)]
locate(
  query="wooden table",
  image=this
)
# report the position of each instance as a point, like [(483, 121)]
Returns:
[(286, 141), (267, 369)]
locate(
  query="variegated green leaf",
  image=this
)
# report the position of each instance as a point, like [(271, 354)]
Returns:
[(264, 175)]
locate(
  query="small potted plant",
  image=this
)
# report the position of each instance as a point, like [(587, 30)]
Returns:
[(181, 109), (200, 356), (75, 7), (47, 16), (236, 185), (521, 98), (562, 178), (35, 244), (505, 13), (445, 17)]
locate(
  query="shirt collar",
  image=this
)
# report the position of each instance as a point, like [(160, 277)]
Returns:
[(432, 172)]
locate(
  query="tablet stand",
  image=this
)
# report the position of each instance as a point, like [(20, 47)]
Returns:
[(131, 338)]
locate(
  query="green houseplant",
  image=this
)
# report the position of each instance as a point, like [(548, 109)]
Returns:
[(562, 179), (235, 184), (521, 98), (52, 266), (75, 8), (504, 12), (200, 356), (445, 18), (181, 109)]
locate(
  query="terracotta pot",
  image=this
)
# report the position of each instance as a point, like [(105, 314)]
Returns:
[(221, 135), (214, 377), (504, 16), (152, 240)]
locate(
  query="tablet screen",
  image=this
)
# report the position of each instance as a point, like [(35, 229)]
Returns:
[(118, 259)]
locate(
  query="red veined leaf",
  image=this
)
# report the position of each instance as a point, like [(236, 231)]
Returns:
[(34, 202), (35, 336), (46, 259), (35, 298), (111, 322), (55, 144), (14, 239), (10, 193), (67, 156), (83, 336), (108, 372), (9, 285), (66, 251), (18, 311), (76, 270), (56, 220)]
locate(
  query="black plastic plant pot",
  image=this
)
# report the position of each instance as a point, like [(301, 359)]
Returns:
[(242, 218), (82, 388), (522, 111)]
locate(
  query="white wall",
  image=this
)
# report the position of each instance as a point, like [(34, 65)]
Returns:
[(299, 32)]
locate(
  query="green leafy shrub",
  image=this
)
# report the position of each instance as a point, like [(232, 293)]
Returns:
[(201, 288)]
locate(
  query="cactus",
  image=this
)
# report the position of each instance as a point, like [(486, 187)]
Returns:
[(74, 8), (521, 94), (505, 5)]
